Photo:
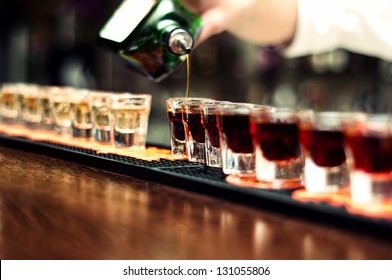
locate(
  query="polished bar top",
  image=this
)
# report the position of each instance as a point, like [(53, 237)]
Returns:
[(54, 209)]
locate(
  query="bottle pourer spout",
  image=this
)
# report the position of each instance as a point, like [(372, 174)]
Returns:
[(180, 41)]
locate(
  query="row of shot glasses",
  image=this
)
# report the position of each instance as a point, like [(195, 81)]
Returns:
[(117, 119), (276, 148)]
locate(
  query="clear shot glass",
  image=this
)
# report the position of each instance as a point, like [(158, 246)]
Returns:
[(80, 114), (31, 111), (100, 109), (129, 114), (47, 122), (59, 99), (368, 141), (238, 157), (213, 156), (177, 130), (194, 130), (8, 104), (279, 160), (322, 139)]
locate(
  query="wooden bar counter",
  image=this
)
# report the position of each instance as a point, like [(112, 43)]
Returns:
[(55, 209)]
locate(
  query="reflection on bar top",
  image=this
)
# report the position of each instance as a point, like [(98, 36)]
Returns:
[(149, 153)]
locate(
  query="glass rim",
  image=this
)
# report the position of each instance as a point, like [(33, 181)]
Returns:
[(118, 95)]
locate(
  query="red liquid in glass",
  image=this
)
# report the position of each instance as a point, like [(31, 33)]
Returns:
[(194, 126), (236, 130), (371, 153), (325, 147), (278, 141), (178, 126), (210, 124)]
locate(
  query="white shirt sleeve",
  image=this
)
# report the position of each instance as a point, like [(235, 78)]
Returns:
[(362, 26)]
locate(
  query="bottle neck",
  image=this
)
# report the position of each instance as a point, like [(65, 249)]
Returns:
[(180, 41)]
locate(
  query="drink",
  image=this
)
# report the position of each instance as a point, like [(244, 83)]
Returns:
[(178, 127), (188, 74), (326, 147), (151, 36), (128, 126), (100, 116), (235, 129), (47, 117), (177, 130), (209, 115), (210, 124), (20, 100), (9, 108), (81, 119), (369, 142), (194, 130), (236, 147), (81, 115), (62, 116), (279, 160), (129, 115), (321, 135), (194, 126), (378, 155), (32, 110), (59, 100), (278, 141)]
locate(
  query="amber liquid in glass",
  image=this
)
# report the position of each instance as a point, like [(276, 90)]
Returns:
[(325, 147), (278, 141), (236, 129), (194, 126), (209, 122), (371, 153)]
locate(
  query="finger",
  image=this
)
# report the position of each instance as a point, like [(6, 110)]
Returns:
[(214, 22)]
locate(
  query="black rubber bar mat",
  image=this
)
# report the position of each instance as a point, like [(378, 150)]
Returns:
[(207, 180)]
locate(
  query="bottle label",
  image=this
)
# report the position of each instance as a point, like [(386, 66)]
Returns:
[(125, 19)]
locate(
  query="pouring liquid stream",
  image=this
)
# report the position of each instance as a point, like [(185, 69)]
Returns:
[(188, 72)]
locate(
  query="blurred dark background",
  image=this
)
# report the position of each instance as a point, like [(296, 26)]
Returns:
[(54, 43)]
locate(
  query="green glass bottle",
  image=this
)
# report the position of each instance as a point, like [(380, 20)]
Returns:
[(151, 36)]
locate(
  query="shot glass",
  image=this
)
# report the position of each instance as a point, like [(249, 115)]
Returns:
[(279, 160), (8, 104), (194, 130), (236, 144), (322, 139), (368, 140), (31, 111), (177, 130), (59, 99), (100, 103), (81, 120), (129, 114), (20, 90), (213, 155), (47, 122)]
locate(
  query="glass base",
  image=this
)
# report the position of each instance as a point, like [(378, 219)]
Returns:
[(326, 179), (238, 163), (124, 140), (213, 156), (65, 131), (366, 187), (85, 133), (279, 173), (196, 151), (103, 136), (178, 148)]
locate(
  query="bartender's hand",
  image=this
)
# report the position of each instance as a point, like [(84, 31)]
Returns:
[(263, 22)]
